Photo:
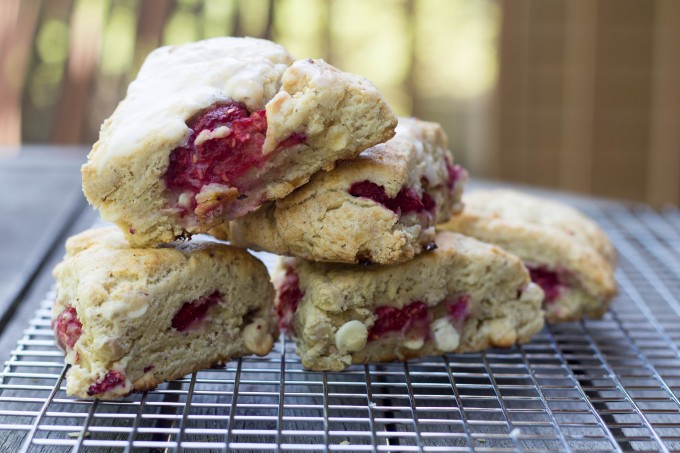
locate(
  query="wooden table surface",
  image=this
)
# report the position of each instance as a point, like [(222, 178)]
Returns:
[(41, 204)]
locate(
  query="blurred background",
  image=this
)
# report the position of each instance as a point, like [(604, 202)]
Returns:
[(581, 95)]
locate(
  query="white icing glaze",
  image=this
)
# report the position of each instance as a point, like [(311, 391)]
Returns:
[(177, 81)]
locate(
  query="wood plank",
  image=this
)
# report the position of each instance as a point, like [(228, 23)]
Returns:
[(579, 87), (39, 101), (17, 26), (37, 218), (511, 114), (152, 17), (622, 99), (663, 173), (85, 44)]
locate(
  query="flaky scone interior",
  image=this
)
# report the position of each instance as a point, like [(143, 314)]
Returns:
[(211, 130), (129, 318), (463, 296)]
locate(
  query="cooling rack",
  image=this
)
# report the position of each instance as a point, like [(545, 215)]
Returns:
[(598, 385)]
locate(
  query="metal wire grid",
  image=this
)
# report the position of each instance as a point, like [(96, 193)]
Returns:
[(606, 385)]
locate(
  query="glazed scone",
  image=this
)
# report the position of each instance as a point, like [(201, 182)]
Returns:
[(129, 319), (378, 208), (463, 296), (567, 254), (212, 130)]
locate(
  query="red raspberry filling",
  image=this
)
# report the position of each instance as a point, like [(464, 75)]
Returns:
[(112, 379), (548, 280), (412, 318), (67, 328), (455, 173), (428, 202), (458, 310), (227, 156), (290, 296), (370, 190), (406, 201), (193, 312)]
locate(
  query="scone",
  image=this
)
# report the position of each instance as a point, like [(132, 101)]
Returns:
[(129, 319), (212, 130), (378, 208), (463, 296), (567, 254)]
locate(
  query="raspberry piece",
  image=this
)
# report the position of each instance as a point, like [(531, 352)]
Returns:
[(229, 145), (290, 296), (548, 280), (406, 201), (67, 328), (370, 190), (413, 317), (458, 309), (218, 160), (112, 379), (192, 312), (428, 202), (455, 173)]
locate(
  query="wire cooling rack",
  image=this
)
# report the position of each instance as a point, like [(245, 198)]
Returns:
[(605, 385)]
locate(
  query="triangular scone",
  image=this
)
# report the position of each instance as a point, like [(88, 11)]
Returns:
[(379, 208), (463, 296), (129, 319), (566, 253), (211, 130)]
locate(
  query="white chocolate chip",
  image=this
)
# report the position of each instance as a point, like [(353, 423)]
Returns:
[(351, 336), (139, 311), (446, 337), (184, 200), (414, 343), (256, 337)]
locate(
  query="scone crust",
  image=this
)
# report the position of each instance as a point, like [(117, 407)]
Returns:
[(321, 221), (506, 306), (545, 233), (123, 177), (341, 115), (126, 297)]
